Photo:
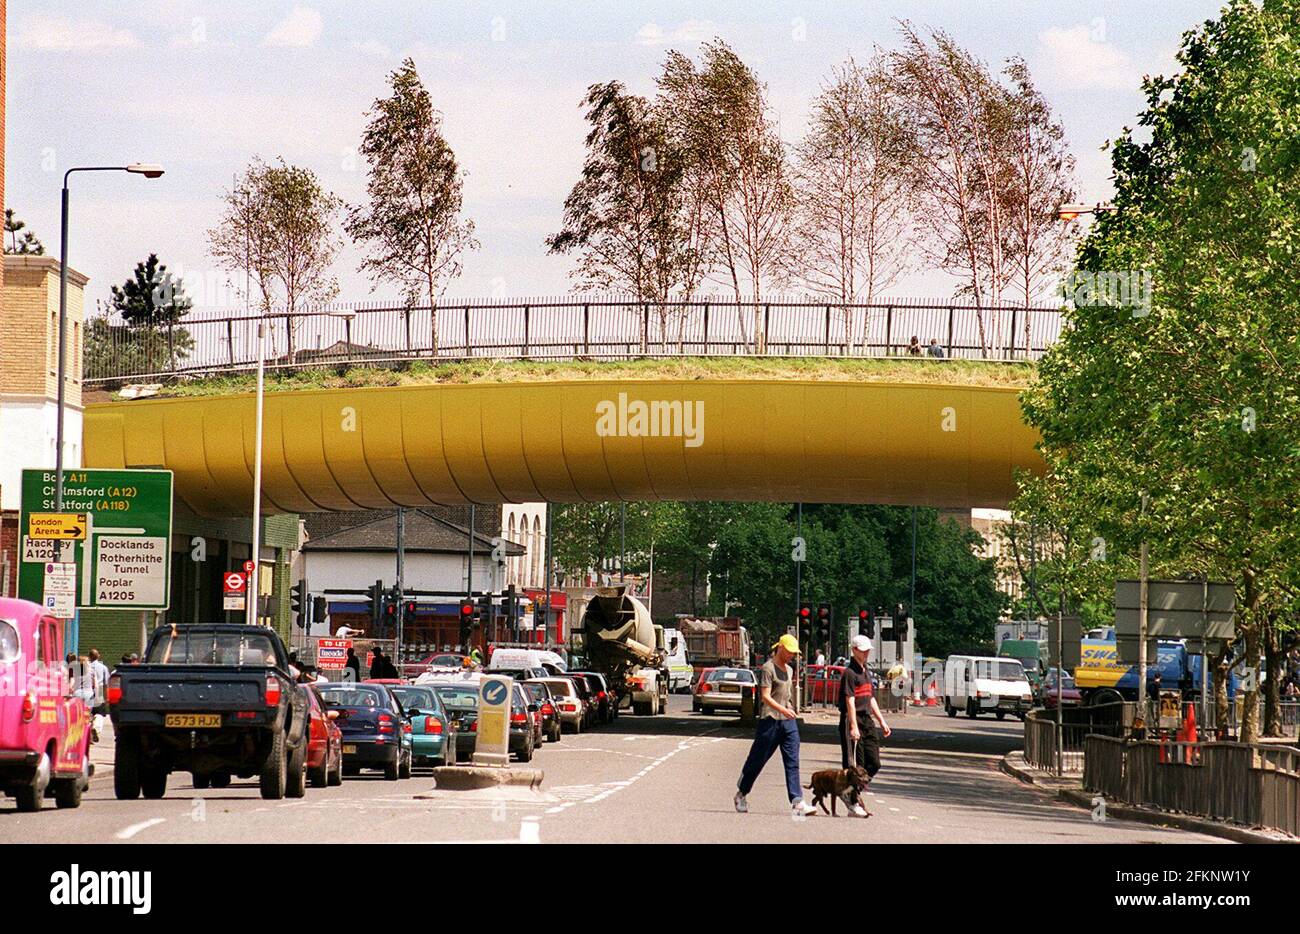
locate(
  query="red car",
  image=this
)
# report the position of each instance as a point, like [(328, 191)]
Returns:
[(824, 683), (324, 743), (1067, 693)]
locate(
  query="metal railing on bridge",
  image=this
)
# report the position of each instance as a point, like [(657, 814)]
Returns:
[(1059, 747), (206, 343)]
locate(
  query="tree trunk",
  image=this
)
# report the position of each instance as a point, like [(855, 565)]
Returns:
[(1221, 689), (1273, 659), (1250, 628)]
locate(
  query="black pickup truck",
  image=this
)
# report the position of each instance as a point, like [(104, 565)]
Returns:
[(214, 700)]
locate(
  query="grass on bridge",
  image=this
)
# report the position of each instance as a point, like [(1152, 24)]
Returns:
[(922, 370)]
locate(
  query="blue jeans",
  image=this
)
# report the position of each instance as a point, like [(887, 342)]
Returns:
[(770, 734)]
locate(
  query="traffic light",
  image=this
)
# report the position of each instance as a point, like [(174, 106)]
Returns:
[(823, 621), (408, 612), (298, 602), (866, 624), (375, 604), (320, 608), (805, 615), (466, 620), (388, 623)]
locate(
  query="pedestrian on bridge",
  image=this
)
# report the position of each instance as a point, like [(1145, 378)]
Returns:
[(778, 727), (859, 712)]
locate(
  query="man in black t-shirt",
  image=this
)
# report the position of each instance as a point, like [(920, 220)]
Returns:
[(859, 712)]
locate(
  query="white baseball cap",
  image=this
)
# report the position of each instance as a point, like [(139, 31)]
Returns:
[(862, 643)]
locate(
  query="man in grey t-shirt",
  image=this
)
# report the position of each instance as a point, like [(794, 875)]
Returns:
[(778, 727)]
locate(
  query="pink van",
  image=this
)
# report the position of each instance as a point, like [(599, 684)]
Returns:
[(44, 730)]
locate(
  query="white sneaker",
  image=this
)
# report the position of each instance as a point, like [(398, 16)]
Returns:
[(742, 806), (860, 811), (802, 808)]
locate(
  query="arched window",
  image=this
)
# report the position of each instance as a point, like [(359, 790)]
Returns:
[(512, 567), (539, 550)]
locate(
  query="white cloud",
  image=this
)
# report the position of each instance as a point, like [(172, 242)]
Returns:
[(61, 34), (302, 27), (1076, 59), (688, 32), (372, 47)]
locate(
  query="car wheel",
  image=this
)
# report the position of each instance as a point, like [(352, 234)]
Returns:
[(273, 774), (972, 708), (153, 782), (526, 754), (295, 779), (220, 780), (952, 711), (67, 791), (393, 770), (404, 770), (126, 767), (31, 796), (336, 774), (1001, 714), (200, 780)]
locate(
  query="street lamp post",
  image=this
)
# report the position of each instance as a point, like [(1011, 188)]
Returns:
[(148, 170)]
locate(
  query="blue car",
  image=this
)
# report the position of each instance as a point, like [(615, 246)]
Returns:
[(433, 731), (376, 731)]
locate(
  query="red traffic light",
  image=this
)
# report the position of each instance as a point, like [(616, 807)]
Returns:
[(805, 611), (390, 609), (466, 608), (863, 615), (410, 606)]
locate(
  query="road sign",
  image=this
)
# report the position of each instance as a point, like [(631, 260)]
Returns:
[(55, 525), (248, 566), (1177, 609), (232, 590), (123, 558), (1071, 644), (493, 744), (60, 589)]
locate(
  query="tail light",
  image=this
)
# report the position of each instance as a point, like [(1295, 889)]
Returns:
[(29, 706), (519, 718), (601, 695), (385, 723), (548, 710), (704, 687), (272, 691), (568, 706), (114, 694), (407, 728), (473, 726), (433, 725)]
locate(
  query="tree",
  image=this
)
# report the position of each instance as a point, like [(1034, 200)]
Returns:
[(852, 189), (1175, 382), (28, 245), (1041, 181), (992, 169), (152, 297), (585, 536), (626, 215), (412, 225), (278, 228), (736, 165)]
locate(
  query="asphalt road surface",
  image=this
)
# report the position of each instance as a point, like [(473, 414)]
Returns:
[(666, 779)]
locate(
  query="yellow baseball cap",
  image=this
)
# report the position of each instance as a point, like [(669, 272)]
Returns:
[(789, 643)]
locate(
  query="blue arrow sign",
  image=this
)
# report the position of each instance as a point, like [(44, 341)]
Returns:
[(494, 692)]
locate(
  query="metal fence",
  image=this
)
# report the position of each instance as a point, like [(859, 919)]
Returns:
[(1255, 785), (208, 343), (1059, 748)]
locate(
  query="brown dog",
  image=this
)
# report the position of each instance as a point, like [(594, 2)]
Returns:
[(835, 784)]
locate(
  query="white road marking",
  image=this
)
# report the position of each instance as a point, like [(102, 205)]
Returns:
[(126, 833)]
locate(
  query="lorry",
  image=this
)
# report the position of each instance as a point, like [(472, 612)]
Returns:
[(716, 642), (1032, 654), (618, 639), (215, 700), (1102, 678)]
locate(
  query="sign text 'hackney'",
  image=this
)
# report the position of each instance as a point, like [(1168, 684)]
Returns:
[(125, 558)]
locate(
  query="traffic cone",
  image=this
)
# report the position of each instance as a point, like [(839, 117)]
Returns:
[(932, 695)]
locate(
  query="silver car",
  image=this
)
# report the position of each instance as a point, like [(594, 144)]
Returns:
[(721, 688), (569, 705)]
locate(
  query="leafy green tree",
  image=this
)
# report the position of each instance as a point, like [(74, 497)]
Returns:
[(277, 226), (152, 297), (1177, 377), (412, 224)]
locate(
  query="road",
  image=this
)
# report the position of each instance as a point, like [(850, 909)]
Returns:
[(666, 779)]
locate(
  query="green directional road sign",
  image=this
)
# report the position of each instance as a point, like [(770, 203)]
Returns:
[(124, 560)]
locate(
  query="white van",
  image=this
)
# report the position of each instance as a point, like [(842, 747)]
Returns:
[(679, 669), (504, 659), (979, 684)]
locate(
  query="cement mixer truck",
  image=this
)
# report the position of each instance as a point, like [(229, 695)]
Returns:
[(618, 639)]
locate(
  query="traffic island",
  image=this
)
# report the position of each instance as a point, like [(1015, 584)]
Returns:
[(477, 777)]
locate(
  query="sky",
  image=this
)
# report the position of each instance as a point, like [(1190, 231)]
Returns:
[(203, 87)]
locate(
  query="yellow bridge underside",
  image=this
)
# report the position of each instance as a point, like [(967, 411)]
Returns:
[(776, 440)]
